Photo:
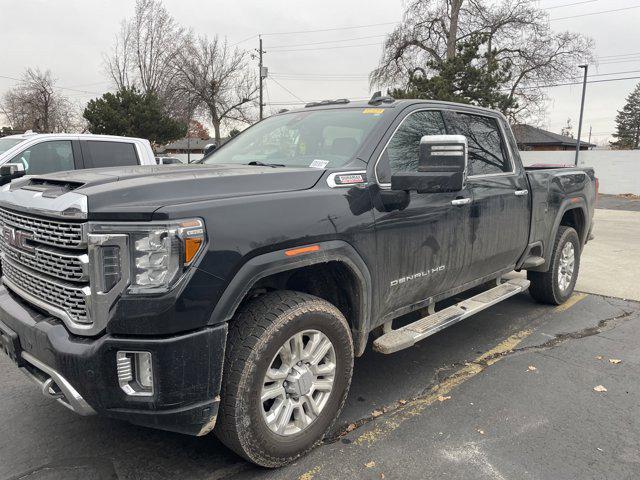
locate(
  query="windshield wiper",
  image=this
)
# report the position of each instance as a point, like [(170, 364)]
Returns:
[(262, 164)]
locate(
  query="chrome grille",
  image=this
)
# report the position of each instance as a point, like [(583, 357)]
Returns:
[(61, 265), (66, 297), (49, 232)]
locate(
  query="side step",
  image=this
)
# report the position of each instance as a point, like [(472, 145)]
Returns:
[(409, 335)]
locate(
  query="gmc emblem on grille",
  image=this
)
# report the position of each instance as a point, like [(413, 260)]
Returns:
[(17, 238)]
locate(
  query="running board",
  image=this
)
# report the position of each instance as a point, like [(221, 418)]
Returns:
[(409, 335)]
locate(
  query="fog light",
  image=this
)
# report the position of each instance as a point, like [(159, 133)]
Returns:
[(135, 373)]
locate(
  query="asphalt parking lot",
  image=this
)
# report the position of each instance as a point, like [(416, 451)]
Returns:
[(506, 394)]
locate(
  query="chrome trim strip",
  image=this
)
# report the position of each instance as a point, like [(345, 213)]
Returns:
[(69, 397)]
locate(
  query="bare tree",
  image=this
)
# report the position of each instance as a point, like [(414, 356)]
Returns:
[(518, 35), (143, 53), (217, 81), (36, 104)]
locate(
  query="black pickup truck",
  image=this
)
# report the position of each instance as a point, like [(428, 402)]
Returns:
[(232, 296)]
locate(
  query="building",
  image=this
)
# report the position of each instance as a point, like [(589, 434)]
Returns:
[(533, 138), (186, 145)]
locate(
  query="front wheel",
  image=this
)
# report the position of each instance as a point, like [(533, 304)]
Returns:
[(556, 285), (287, 372)]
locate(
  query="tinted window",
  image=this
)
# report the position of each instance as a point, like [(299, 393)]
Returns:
[(486, 150), (46, 157), (111, 154), (402, 152)]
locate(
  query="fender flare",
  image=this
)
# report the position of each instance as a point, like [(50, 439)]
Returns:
[(267, 264), (567, 204)]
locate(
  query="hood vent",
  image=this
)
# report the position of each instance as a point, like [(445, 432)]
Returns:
[(50, 188)]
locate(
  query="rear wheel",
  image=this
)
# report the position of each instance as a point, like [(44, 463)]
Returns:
[(556, 285), (287, 373)]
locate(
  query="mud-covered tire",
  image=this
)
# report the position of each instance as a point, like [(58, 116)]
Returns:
[(257, 333), (546, 287)]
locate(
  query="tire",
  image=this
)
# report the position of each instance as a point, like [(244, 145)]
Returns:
[(550, 287), (256, 343)]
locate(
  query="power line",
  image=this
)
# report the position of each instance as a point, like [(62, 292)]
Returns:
[(245, 40), (595, 13), (329, 41), (580, 83), (570, 4), (331, 29), (287, 90), (326, 48), (57, 87)]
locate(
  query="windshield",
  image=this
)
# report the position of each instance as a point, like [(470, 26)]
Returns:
[(320, 139), (7, 143)]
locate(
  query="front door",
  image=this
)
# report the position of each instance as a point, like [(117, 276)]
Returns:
[(421, 238), (499, 227)]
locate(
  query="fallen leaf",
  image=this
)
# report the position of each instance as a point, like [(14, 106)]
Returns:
[(402, 402), (376, 413), (599, 357), (351, 427), (531, 368), (615, 361), (442, 398), (600, 388), (481, 432), (370, 464), (382, 476)]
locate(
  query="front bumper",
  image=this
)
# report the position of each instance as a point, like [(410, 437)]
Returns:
[(81, 373)]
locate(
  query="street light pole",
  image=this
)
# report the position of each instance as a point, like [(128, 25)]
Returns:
[(584, 91)]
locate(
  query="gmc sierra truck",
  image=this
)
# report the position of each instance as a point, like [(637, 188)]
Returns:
[(233, 295)]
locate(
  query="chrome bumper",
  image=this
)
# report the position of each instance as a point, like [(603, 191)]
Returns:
[(55, 386)]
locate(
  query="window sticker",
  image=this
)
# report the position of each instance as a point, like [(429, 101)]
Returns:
[(373, 111), (319, 163)]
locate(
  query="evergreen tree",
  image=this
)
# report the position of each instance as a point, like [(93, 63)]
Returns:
[(133, 114), (628, 123), (472, 76)]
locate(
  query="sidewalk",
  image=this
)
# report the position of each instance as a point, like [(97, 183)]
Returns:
[(611, 261)]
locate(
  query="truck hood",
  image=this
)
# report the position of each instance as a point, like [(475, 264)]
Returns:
[(136, 192)]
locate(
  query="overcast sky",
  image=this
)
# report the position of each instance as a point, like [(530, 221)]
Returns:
[(69, 37)]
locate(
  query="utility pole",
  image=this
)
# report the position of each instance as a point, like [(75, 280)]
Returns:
[(590, 130), (263, 74), (584, 91)]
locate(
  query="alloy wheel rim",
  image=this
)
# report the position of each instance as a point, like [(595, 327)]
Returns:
[(298, 382), (566, 266)]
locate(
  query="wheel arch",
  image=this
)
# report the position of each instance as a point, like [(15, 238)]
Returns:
[(309, 273), (572, 213)]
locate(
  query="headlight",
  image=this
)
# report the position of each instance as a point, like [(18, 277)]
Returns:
[(159, 252)]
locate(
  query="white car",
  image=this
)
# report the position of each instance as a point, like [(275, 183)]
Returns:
[(42, 153)]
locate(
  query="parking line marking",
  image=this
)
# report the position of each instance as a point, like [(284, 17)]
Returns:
[(571, 302), (393, 420)]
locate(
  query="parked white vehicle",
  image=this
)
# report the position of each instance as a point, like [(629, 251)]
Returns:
[(42, 153)]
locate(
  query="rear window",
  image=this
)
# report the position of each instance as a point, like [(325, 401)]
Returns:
[(111, 154)]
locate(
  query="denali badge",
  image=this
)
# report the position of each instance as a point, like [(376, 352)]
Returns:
[(17, 238), (426, 273)]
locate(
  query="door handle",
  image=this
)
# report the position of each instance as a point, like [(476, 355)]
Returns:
[(521, 193), (460, 201)]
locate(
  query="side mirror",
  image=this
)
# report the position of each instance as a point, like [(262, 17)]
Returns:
[(11, 171), (442, 166), (209, 148)]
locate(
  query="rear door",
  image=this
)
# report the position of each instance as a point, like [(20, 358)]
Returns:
[(500, 208), (104, 153)]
